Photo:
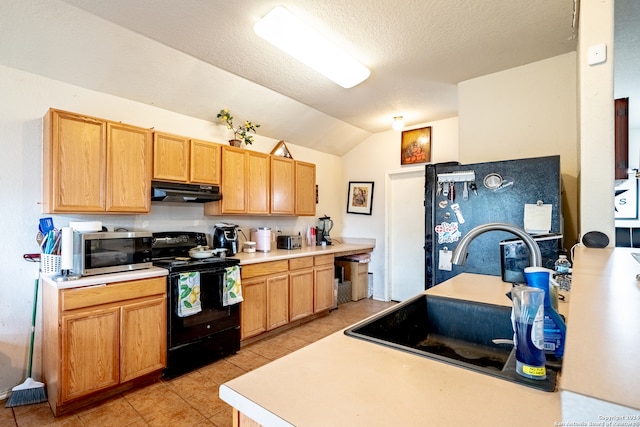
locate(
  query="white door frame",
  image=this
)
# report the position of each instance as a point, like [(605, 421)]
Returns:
[(389, 223)]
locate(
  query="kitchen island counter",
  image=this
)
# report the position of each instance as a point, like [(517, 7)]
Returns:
[(344, 381), (341, 380)]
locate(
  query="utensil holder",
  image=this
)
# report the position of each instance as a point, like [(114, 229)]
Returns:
[(50, 264)]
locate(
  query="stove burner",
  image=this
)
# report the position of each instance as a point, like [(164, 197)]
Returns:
[(171, 251)]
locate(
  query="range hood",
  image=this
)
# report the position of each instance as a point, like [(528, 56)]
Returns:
[(181, 193)]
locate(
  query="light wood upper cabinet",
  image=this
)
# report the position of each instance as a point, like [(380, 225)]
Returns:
[(235, 166), (283, 186), (180, 159), (254, 183), (258, 183), (205, 162), (128, 169), (244, 183), (74, 163), (170, 157), (92, 165), (305, 188)]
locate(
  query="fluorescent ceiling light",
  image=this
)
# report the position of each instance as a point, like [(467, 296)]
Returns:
[(398, 123), (288, 33)]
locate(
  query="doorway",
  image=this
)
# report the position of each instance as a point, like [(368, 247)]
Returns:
[(405, 233)]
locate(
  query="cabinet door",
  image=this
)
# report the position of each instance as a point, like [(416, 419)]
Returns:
[(301, 293), (143, 338), (128, 169), (305, 188), (90, 350), (258, 176), (234, 173), (205, 162), (277, 301), (621, 138), (283, 186), (253, 311), (323, 287), (170, 157), (74, 163)]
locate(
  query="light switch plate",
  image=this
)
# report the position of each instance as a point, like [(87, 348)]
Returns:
[(597, 54)]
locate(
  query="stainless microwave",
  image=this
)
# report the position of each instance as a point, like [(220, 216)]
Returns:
[(111, 252)]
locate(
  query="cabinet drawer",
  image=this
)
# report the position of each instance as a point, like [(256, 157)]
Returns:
[(323, 259), (113, 292), (264, 268), (298, 263)]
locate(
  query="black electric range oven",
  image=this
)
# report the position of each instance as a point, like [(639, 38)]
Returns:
[(214, 332)]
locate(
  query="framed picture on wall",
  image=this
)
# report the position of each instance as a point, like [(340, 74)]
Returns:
[(360, 197), (415, 146)]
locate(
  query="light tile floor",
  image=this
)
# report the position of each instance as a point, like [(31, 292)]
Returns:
[(191, 400)]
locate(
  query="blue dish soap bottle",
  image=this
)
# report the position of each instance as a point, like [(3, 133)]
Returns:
[(555, 329)]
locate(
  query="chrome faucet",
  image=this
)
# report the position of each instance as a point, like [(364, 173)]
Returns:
[(459, 255)]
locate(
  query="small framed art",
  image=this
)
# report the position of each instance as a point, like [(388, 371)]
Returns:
[(360, 197), (281, 150), (415, 146)]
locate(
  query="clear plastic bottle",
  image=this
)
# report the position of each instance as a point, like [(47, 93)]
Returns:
[(562, 268)]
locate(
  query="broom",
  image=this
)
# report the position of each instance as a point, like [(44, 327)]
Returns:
[(30, 391)]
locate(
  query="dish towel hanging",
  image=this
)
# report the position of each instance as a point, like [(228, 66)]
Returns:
[(233, 288), (189, 289)]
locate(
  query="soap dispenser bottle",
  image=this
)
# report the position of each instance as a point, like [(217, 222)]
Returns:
[(555, 329)]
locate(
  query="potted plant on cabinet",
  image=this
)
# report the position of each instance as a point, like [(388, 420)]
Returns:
[(240, 133)]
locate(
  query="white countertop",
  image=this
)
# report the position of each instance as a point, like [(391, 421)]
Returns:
[(341, 380), (280, 254), (602, 353), (100, 279)]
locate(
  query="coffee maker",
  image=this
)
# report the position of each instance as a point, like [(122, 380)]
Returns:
[(325, 224), (225, 236)]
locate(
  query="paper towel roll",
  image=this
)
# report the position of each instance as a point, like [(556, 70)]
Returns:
[(66, 248)]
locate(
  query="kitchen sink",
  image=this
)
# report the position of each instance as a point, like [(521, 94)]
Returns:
[(471, 335)]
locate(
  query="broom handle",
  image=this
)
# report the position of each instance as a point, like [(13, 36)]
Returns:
[(33, 324)]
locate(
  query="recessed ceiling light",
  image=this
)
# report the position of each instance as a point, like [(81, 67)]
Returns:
[(288, 33)]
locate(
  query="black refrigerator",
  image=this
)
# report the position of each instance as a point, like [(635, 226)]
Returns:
[(459, 197)]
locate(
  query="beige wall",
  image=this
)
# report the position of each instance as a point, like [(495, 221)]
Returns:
[(25, 99), (596, 120), (370, 161), (528, 111)]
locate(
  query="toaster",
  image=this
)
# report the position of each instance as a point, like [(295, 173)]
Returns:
[(289, 242)]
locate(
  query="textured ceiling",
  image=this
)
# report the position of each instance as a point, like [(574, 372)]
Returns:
[(417, 50)]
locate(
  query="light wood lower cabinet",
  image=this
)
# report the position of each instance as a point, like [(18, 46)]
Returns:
[(98, 340), (324, 284), (300, 287), (276, 293), (253, 312), (265, 297), (277, 301)]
